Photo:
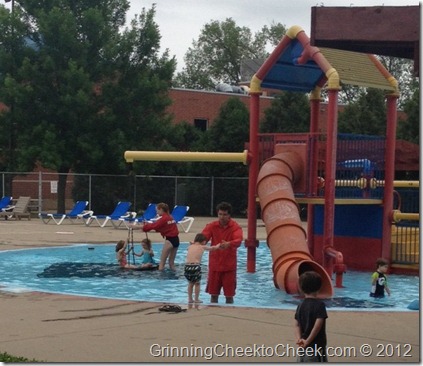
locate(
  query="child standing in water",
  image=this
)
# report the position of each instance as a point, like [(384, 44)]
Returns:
[(121, 254), (147, 254), (379, 280), (192, 270)]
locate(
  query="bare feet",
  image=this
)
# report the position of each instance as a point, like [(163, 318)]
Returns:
[(198, 301)]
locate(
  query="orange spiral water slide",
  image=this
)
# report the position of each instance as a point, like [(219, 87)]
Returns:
[(286, 237)]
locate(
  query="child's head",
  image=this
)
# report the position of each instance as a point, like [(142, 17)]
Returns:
[(120, 244), (162, 206), (146, 244), (310, 282), (382, 264), (200, 238)]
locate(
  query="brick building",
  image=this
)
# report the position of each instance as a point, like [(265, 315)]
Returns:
[(200, 108)]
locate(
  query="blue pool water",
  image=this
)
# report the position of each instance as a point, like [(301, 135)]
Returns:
[(91, 270)]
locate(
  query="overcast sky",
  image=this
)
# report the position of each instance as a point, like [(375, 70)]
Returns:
[(181, 21)]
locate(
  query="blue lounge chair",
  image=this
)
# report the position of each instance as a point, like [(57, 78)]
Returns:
[(5, 203), (149, 214), (185, 222), (121, 211), (77, 213)]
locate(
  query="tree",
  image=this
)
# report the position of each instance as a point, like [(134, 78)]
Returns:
[(367, 116), (86, 90), (228, 133), (14, 48), (289, 112), (217, 55), (410, 128), (402, 70)]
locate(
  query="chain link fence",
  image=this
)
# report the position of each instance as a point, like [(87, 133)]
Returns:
[(103, 192)]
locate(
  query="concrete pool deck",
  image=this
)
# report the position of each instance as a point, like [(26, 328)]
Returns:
[(61, 328)]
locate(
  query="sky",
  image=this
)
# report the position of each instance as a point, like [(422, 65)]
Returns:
[(181, 21)]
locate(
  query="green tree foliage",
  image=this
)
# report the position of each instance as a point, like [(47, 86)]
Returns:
[(271, 36), (14, 48), (217, 55), (84, 89), (228, 133), (409, 129), (289, 113), (367, 116), (402, 70)]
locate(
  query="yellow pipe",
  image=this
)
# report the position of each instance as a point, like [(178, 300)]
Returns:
[(131, 156), (362, 183), (397, 216), (401, 183)]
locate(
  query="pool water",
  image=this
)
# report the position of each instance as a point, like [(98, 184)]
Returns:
[(91, 270)]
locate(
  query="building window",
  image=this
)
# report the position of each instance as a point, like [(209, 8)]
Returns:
[(201, 124)]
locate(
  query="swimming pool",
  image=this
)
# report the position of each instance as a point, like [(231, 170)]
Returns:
[(91, 270)]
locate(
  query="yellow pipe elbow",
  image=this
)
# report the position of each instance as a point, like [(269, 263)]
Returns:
[(293, 31), (255, 85), (333, 79), (394, 84)]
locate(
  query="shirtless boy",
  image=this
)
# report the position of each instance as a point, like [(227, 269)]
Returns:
[(193, 266)]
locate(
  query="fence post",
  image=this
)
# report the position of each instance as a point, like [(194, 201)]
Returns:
[(40, 191), (89, 191), (176, 192), (211, 196), (135, 193)]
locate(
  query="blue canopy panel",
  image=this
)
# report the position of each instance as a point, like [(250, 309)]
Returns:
[(288, 75)]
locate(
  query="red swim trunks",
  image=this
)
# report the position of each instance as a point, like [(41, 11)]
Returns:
[(216, 280)]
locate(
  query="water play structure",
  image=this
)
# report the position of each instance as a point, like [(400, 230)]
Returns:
[(295, 65)]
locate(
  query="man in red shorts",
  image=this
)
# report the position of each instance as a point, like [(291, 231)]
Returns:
[(223, 263)]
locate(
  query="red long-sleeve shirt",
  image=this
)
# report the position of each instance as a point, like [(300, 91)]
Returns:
[(165, 225), (223, 259)]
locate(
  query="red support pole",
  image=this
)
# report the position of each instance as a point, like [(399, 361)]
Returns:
[(388, 192), (330, 170), (251, 242), (312, 175)]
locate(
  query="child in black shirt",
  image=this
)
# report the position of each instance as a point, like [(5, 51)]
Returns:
[(310, 320)]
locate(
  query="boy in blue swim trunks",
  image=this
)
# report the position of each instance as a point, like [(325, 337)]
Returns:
[(192, 270)]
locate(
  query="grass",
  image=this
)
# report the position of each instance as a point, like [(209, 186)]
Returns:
[(5, 357)]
